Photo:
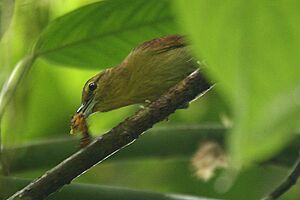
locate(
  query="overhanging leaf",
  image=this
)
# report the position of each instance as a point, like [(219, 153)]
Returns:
[(102, 34), (252, 48)]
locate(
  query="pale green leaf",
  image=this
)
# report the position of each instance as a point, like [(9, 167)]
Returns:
[(252, 49)]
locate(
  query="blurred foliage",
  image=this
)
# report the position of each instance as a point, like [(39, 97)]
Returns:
[(250, 48)]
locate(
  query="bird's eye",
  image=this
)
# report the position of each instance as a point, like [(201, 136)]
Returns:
[(92, 86)]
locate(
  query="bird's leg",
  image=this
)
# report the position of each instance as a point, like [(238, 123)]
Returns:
[(85, 140), (145, 104)]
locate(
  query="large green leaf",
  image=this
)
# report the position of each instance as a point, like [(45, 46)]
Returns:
[(252, 49), (103, 33)]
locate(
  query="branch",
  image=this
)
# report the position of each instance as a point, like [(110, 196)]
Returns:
[(289, 182), (118, 137)]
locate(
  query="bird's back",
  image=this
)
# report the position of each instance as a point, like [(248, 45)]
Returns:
[(157, 65)]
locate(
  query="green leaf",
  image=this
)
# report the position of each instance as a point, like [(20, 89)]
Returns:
[(88, 191), (252, 49), (102, 34)]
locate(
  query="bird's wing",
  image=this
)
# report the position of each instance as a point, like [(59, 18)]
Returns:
[(153, 47), (156, 65)]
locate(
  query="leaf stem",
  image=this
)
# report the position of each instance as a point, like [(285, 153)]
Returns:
[(7, 92)]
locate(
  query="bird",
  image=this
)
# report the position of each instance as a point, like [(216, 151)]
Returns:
[(147, 72)]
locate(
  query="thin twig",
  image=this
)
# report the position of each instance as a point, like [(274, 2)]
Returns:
[(289, 182), (120, 136)]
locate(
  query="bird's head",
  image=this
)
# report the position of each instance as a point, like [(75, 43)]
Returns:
[(105, 91), (90, 95)]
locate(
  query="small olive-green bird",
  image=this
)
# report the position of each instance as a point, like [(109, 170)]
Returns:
[(149, 70)]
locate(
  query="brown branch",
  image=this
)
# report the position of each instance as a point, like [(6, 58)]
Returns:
[(289, 182), (120, 136)]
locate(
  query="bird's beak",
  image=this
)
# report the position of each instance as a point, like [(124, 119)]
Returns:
[(87, 107)]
